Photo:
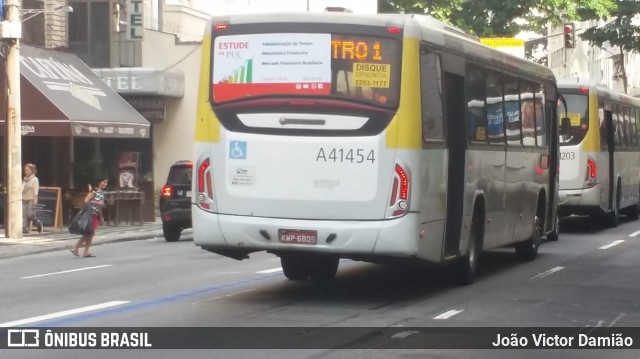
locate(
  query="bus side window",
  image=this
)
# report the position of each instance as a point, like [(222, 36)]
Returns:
[(541, 130), (494, 110), (431, 95), (603, 125), (636, 126), (551, 113), (476, 119), (627, 128), (528, 104), (620, 127), (512, 111), (614, 123)]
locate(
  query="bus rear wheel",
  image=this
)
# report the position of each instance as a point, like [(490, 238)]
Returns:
[(528, 250), (633, 212), (466, 269), (323, 268), (294, 266), (555, 234), (612, 218)]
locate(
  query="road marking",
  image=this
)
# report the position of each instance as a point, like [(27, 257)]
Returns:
[(404, 334), (63, 313), (634, 234), (614, 243), (67, 271), (273, 270), (226, 296), (449, 314), (546, 273)]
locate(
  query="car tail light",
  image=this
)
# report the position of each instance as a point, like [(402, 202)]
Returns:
[(204, 198), (591, 178), (167, 191), (399, 201)]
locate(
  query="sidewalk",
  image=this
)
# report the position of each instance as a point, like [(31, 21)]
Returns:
[(35, 242)]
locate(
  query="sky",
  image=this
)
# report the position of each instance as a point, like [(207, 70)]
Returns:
[(224, 7)]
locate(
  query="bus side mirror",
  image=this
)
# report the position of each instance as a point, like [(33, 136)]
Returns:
[(565, 126)]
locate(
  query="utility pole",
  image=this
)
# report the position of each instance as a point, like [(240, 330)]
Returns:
[(13, 223)]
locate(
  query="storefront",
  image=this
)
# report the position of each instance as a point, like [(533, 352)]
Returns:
[(159, 94), (76, 128)]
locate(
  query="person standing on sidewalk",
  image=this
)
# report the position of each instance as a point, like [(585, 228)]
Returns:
[(96, 198), (30, 189)]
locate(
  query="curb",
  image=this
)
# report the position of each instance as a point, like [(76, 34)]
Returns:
[(63, 245)]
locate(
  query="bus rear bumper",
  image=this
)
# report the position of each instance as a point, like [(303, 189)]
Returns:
[(580, 201), (222, 233)]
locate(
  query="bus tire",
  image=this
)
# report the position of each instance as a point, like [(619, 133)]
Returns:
[(323, 268), (555, 234), (612, 218), (528, 250), (633, 212), (466, 270), (294, 266)]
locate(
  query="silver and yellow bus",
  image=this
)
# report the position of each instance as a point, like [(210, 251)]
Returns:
[(600, 154), (377, 138)]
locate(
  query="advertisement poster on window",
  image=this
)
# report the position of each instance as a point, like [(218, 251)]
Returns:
[(260, 64)]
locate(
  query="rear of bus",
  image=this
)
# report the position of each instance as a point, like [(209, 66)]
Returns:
[(580, 155), (297, 128)]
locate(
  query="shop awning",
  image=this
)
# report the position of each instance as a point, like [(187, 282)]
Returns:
[(62, 96)]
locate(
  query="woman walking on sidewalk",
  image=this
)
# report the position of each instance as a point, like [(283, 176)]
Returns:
[(30, 189), (96, 198)]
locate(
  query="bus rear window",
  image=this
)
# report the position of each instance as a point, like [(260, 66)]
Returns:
[(577, 111), (362, 68)]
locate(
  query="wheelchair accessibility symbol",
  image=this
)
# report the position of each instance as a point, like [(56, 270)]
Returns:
[(238, 150)]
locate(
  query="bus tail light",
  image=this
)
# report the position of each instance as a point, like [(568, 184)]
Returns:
[(221, 26), (591, 177), (204, 198), (399, 201)]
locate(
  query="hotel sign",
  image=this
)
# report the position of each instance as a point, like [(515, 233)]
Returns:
[(150, 107), (135, 17), (141, 81)]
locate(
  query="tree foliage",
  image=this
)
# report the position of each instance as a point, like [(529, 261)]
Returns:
[(486, 18), (620, 29)]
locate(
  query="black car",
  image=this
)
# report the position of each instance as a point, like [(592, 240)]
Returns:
[(175, 200)]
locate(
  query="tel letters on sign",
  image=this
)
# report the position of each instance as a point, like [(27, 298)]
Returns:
[(136, 20)]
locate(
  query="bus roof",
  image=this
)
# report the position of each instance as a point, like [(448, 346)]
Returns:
[(425, 27)]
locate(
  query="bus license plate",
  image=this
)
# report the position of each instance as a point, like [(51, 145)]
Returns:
[(296, 236)]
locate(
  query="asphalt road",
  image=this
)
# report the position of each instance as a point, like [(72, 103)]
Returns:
[(589, 278)]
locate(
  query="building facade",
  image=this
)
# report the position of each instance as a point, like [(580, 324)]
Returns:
[(602, 65), (148, 51)]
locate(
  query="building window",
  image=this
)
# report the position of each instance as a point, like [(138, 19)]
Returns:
[(89, 32)]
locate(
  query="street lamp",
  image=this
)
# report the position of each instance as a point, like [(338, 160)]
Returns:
[(11, 33)]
